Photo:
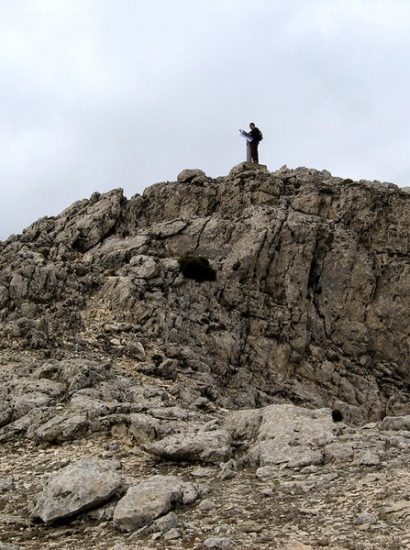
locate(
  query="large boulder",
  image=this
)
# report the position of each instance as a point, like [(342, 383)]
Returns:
[(151, 499), (77, 488), (291, 437)]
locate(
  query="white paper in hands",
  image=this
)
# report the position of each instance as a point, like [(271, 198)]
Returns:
[(245, 135)]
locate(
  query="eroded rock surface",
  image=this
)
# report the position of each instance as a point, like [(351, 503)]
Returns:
[(312, 286), (264, 407)]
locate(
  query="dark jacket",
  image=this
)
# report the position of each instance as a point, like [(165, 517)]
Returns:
[(255, 135)]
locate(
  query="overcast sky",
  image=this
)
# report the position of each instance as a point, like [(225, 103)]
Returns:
[(97, 94)]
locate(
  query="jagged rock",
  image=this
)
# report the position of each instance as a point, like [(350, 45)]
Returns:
[(189, 174), (204, 446), (309, 305), (288, 247), (144, 427), (136, 349), (85, 223), (79, 487), (150, 499), (167, 522), (60, 428)]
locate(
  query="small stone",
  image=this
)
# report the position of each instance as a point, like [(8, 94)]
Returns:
[(136, 350), (251, 527), (202, 472), (228, 469), (366, 518), (368, 458), (207, 505), (172, 534), (6, 485), (167, 522), (115, 342), (218, 542)]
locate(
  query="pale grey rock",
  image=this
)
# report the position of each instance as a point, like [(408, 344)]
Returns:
[(228, 469), (167, 522), (339, 451), (207, 505), (202, 472), (90, 407), (171, 413), (218, 543), (86, 223), (6, 546), (247, 166), (204, 446), (292, 436), (395, 423), (243, 425), (366, 518), (4, 296), (6, 484), (297, 252), (60, 428), (144, 427), (144, 267), (77, 488), (150, 499), (172, 534), (371, 457), (189, 174), (5, 414), (24, 394), (136, 350)]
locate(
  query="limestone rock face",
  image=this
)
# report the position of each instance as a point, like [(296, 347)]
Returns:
[(281, 381), (75, 489), (309, 305)]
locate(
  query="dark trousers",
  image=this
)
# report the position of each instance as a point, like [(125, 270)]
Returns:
[(254, 152)]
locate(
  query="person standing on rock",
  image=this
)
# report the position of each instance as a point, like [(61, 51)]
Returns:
[(254, 137)]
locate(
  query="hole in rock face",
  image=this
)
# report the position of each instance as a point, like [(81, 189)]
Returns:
[(337, 416), (197, 268)]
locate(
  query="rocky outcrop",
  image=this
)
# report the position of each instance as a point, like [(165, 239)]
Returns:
[(239, 346), (308, 304)]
